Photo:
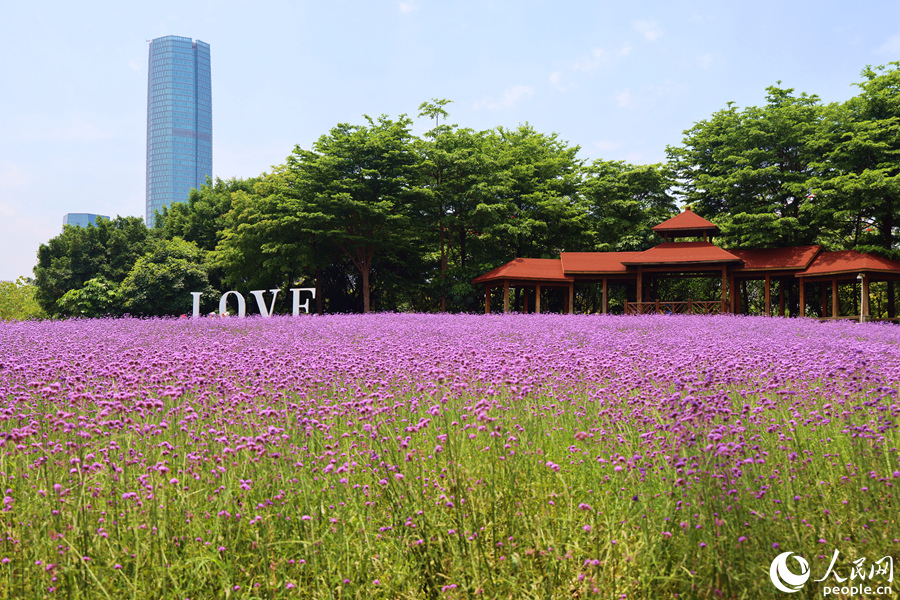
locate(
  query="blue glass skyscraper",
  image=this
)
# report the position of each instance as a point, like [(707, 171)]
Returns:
[(179, 121)]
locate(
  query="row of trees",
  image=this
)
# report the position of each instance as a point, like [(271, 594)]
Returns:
[(376, 218)]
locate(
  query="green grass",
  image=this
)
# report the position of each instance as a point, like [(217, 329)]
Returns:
[(484, 517)]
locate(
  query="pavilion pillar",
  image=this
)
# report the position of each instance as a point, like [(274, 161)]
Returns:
[(506, 296), (525, 292), (640, 291), (571, 297), (891, 300), (835, 308), (864, 309), (725, 288), (487, 299), (605, 296), (802, 311), (768, 295), (537, 299), (781, 297)]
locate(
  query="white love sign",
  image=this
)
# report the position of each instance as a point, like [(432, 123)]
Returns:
[(265, 311)]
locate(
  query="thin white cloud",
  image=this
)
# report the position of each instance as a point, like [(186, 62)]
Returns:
[(668, 89), (406, 7), (704, 61), (510, 97), (560, 82), (593, 60), (624, 98), (891, 46), (649, 29), (597, 57)]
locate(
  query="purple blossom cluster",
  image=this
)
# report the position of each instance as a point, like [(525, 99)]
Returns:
[(444, 453)]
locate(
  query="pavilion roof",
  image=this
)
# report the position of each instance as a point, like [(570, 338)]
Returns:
[(544, 269), (687, 222), (774, 259), (682, 253), (595, 262), (844, 262)]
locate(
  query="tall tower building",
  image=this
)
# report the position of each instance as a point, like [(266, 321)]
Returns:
[(179, 121)]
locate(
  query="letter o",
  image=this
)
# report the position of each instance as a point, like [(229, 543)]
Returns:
[(242, 305)]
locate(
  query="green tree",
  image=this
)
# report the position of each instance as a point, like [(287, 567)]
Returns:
[(531, 206), (17, 301), (859, 191), (161, 281), (202, 217), (354, 187), (96, 298), (78, 254), (270, 239), (625, 201), (455, 174), (751, 171)]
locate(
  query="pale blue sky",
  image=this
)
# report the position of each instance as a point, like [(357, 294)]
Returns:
[(620, 80)]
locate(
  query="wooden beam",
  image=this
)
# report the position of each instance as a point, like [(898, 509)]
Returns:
[(526, 293), (572, 298), (640, 285), (802, 311), (781, 297), (835, 302), (506, 296), (605, 296), (725, 287), (537, 299), (768, 295), (865, 298), (487, 299)]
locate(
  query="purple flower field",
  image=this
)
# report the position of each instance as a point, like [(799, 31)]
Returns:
[(443, 456)]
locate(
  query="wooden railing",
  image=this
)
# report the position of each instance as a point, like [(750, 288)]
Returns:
[(691, 307)]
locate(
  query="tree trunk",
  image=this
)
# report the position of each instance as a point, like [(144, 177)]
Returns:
[(365, 288), (364, 262), (443, 271), (745, 299)]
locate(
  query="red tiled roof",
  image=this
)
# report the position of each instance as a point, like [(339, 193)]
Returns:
[(686, 221), (770, 259), (849, 261), (682, 253), (595, 262), (544, 269)]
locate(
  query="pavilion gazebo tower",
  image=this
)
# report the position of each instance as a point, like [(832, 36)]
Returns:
[(686, 224), (699, 255)]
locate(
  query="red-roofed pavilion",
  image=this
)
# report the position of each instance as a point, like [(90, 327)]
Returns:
[(698, 257)]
